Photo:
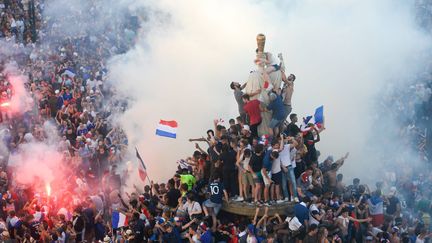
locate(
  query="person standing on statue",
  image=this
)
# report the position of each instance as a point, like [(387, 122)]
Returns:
[(266, 65), (279, 115)]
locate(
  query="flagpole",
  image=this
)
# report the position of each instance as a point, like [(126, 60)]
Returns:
[(142, 163)]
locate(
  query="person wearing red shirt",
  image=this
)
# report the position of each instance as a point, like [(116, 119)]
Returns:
[(253, 110)]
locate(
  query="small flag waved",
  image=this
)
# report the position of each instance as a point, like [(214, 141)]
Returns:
[(317, 119), (167, 129)]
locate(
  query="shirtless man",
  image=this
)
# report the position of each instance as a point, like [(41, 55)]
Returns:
[(343, 220), (331, 174)]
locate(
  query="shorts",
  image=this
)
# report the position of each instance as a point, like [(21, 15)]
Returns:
[(275, 123), (259, 178), (277, 67), (247, 178), (216, 206), (277, 178), (267, 182)]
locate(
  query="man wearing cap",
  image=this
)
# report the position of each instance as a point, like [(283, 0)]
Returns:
[(246, 134), (206, 236)]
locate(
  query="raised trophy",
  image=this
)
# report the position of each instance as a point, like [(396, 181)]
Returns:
[(260, 56)]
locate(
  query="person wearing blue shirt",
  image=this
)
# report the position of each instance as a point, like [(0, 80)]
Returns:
[(278, 110), (302, 212), (214, 203), (67, 95)]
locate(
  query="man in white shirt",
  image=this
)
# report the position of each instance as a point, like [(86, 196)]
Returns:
[(315, 214), (293, 223), (276, 176), (287, 158)]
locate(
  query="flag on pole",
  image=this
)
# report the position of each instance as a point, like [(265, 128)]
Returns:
[(142, 170), (118, 220), (319, 116), (167, 129)]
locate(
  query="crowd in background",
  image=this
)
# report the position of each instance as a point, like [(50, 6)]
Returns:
[(66, 76)]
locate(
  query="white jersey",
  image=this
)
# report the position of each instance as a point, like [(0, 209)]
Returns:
[(276, 166), (287, 156), (293, 223)]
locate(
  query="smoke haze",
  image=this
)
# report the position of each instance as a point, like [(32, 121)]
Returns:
[(342, 53)]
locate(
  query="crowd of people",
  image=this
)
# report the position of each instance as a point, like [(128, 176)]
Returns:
[(67, 78)]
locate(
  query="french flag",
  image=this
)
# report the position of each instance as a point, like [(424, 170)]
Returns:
[(317, 119), (142, 170), (167, 129), (376, 210), (118, 220)]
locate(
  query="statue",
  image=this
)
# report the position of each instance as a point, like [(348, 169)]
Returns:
[(264, 78)]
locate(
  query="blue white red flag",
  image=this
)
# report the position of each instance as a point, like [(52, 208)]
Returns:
[(167, 129), (142, 170), (317, 119), (118, 220)]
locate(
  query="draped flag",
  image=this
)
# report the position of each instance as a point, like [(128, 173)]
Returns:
[(69, 73), (376, 210), (142, 170), (317, 119), (118, 220), (167, 129)]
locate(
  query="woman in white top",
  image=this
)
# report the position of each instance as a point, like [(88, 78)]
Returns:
[(192, 207), (242, 163)]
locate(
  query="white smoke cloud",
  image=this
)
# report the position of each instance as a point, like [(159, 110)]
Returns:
[(341, 51)]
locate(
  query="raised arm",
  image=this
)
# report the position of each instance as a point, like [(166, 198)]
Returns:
[(341, 161), (197, 140)]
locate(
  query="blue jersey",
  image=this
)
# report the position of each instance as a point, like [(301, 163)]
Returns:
[(216, 192), (267, 163)]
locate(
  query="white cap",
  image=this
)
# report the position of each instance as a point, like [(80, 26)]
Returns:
[(57, 91), (246, 127)]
